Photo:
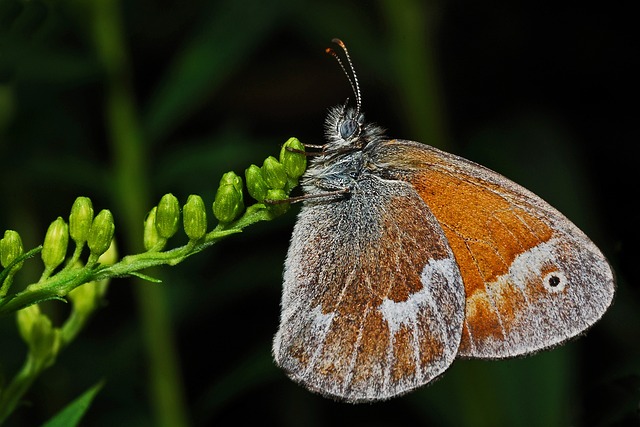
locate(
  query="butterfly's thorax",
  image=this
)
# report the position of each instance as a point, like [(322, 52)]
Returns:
[(326, 174)]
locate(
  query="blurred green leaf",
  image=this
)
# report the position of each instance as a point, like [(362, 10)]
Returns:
[(71, 415)]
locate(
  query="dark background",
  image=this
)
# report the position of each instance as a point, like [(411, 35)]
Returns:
[(539, 91)]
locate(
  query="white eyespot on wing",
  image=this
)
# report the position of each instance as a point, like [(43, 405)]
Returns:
[(554, 281)]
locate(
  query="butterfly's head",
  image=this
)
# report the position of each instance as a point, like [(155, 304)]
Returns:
[(343, 128), (346, 130)]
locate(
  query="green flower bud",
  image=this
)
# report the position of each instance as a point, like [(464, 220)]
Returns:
[(168, 216), (10, 248), (294, 162), (110, 257), (256, 184), (39, 334), (277, 208), (54, 248), (25, 319), (228, 203), (274, 173), (101, 233), (84, 297), (194, 217), (87, 297), (230, 178), (151, 238), (80, 219), (45, 340)]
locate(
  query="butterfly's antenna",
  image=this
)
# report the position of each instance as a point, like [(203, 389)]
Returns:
[(353, 78)]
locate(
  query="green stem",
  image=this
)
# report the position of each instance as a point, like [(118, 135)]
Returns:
[(33, 366), (13, 393), (54, 287), (412, 26), (60, 284)]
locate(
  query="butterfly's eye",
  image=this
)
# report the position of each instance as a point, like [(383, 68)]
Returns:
[(348, 128)]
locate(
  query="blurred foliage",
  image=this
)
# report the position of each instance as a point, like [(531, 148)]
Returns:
[(126, 101)]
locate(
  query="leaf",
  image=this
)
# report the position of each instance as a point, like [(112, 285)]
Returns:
[(145, 277), (71, 415), (21, 258)]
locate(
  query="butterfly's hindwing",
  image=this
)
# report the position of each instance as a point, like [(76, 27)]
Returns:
[(373, 301)]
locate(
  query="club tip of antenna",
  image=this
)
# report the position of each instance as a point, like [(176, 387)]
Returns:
[(338, 42)]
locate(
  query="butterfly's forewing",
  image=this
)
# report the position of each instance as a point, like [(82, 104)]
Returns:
[(373, 302), (532, 279)]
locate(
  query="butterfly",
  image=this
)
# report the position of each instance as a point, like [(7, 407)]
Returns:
[(405, 257)]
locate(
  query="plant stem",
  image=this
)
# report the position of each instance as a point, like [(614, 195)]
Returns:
[(412, 28), (20, 384), (61, 283), (53, 288)]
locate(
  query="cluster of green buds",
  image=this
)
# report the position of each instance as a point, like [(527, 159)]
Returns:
[(269, 184), (43, 339), (36, 329), (84, 284), (275, 179), (163, 221), (84, 229)]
